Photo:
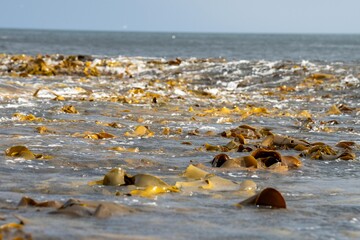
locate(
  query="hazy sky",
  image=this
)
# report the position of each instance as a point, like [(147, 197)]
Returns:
[(249, 16)]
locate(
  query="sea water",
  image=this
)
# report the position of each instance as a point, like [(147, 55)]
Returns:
[(237, 70)]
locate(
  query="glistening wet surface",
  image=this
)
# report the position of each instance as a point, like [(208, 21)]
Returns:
[(81, 116)]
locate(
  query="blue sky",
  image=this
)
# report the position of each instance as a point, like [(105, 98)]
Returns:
[(238, 16)]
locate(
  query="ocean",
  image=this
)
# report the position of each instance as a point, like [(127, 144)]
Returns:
[(327, 47), (78, 108)]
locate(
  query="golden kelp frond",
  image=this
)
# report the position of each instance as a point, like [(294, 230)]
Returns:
[(256, 111), (56, 98), (20, 151), (168, 131), (260, 158), (146, 180), (319, 76), (13, 231), (347, 155), (69, 109), (10, 225), (151, 191), (135, 91), (70, 63), (338, 109), (24, 152), (291, 161), (194, 172), (44, 130), (37, 67), (98, 209), (217, 183), (333, 110), (201, 94), (115, 177), (304, 114), (147, 185), (29, 117), (219, 160), (321, 151), (91, 70), (285, 88), (249, 162), (95, 136), (282, 141), (27, 201), (102, 135), (316, 79), (245, 132), (346, 144), (112, 124), (224, 111), (203, 180), (59, 98), (267, 155), (123, 149), (140, 131), (21, 57), (214, 148)]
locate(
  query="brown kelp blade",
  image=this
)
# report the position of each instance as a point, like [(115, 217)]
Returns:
[(98, 209), (283, 141), (146, 180), (250, 161), (115, 177), (194, 172), (20, 151), (267, 157), (269, 197), (291, 161), (219, 160), (29, 202)]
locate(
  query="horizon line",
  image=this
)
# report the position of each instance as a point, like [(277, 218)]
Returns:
[(175, 32)]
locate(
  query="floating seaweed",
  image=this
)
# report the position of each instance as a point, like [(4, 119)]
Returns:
[(176, 99), (203, 180), (29, 117), (269, 198), (69, 109), (14, 230), (146, 185), (29, 202), (25, 153), (140, 131)]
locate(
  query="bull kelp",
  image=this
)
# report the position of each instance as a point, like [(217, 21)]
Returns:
[(138, 148)]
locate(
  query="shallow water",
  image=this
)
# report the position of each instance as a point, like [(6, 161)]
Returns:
[(322, 196)]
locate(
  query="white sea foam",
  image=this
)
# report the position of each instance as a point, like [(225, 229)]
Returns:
[(350, 80)]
